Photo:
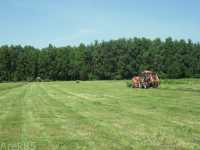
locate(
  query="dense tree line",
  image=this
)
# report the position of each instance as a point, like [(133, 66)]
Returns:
[(115, 59)]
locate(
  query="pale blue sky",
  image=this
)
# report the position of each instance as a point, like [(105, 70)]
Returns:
[(64, 22)]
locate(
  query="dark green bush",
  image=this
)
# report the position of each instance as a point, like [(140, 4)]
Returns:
[(129, 84), (77, 81)]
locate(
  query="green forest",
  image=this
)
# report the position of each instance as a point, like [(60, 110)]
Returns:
[(105, 60)]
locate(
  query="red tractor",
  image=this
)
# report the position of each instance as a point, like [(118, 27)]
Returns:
[(146, 79)]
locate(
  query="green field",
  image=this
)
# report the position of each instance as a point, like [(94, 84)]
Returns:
[(100, 115)]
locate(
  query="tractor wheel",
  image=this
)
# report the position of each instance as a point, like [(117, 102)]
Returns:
[(156, 84), (144, 86)]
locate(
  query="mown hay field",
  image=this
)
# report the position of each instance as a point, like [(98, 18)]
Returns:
[(100, 115)]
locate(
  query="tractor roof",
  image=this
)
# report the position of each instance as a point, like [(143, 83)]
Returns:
[(147, 72)]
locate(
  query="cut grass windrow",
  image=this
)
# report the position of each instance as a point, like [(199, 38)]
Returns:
[(100, 115)]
